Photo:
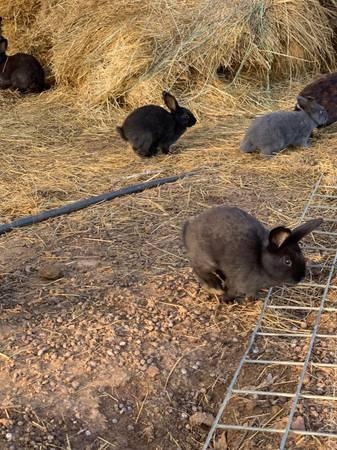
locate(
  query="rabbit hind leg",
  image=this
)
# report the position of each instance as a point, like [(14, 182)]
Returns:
[(212, 281), (5, 83), (145, 147)]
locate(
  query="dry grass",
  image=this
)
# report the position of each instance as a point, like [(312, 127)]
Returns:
[(61, 146), (126, 52)]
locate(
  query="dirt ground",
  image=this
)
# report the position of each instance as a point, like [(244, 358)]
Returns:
[(106, 339)]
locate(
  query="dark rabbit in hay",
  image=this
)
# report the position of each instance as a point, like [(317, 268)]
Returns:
[(152, 128), (21, 71), (233, 253), (277, 130), (324, 91)]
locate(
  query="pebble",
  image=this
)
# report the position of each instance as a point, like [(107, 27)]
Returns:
[(201, 418), (298, 423), (87, 433), (42, 351), (183, 371), (152, 371), (75, 384), (130, 427), (50, 272), (306, 379), (114, 421), (9, 436)]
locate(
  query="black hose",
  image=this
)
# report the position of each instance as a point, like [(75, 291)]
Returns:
[(80, 204)]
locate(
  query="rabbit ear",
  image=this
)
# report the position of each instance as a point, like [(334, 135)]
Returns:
[(303, 230), (304, 102), (3, 45), (170, 101), (278, 236)]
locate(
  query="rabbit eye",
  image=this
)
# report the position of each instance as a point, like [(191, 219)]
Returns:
[(287, 261)]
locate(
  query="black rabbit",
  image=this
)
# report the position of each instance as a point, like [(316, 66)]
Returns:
[(233, 253), (151, 128), (20, 72)]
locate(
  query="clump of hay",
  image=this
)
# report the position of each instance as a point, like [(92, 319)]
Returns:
[(126, 52)]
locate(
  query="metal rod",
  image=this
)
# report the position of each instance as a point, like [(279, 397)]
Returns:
[(323, 186), (283, 394), (276, 362), (277, 430), (270, 362), (325, 219), (323, 207), (314, 285), (307, 358), (302, 308), (267, 333), (326, 196), (318, 335)]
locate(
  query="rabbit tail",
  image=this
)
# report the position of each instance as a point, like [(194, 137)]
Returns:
[(120, 131)]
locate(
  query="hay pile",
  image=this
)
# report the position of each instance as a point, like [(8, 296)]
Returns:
[(125, 52)]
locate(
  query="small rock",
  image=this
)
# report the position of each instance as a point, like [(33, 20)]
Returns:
[(42, 351), (152, 371), (9, 436), (75, 384), (87, 433), (306, 379), (183, 371), (202, 418), (114, 421), (130, 427), (50, 272), (298, 423)]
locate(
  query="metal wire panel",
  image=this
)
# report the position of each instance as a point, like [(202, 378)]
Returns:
[(315, 296)]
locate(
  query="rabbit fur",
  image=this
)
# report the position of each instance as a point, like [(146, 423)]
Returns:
[(277, 130), (20, 72), (152, 128), (233, 253), (324, 91)]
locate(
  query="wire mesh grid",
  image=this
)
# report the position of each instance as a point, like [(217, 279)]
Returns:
[(293, 321)]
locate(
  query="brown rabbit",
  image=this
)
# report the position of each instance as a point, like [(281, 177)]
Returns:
[(324, 91)]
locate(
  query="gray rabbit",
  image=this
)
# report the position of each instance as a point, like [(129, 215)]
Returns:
[(233, 253), (151, 128), (277, 130)]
